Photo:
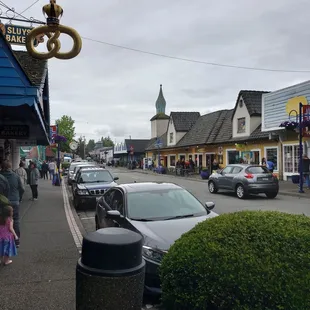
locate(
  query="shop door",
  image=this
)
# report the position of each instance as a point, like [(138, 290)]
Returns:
[(200, 160)]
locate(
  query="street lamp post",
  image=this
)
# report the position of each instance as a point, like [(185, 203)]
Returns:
[(84, 148), (301, 174)]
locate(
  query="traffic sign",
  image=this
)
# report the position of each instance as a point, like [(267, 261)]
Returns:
[(159, 143)]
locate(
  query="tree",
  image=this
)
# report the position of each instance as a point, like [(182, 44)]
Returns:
[(106, 141), (90, 145), (81, 149), (66, 128)]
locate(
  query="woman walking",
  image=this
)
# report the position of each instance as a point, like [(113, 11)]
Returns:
[(33, 181), (22, 173)]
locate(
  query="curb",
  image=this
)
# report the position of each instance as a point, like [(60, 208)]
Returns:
[(292, 194)]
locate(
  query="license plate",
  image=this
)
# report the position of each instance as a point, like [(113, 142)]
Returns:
[(265, 179)]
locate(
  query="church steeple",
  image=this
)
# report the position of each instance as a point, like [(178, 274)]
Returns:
[(160, 102)]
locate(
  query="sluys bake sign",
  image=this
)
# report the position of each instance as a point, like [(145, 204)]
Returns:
[(16, 35)]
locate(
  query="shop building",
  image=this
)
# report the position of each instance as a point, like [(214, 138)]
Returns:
[(281, 106), (131, 150), (24, 102), (225, 135)]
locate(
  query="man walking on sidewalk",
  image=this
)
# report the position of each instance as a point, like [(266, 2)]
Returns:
[(33, 181), (22, 173), (52, 169), (4, 186), (15, 192)]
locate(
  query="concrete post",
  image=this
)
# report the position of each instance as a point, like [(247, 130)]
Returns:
[(110, 272)]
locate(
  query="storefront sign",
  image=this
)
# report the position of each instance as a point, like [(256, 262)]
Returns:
[(14, 131), (306, 117), (16, 35)]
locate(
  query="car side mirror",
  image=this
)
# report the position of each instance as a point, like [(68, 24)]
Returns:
[(116, 178), (113, 214), (209, 205)]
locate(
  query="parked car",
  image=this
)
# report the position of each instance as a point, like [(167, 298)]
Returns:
[(245, 179), (72, 167), (160, 212), (90, 184)]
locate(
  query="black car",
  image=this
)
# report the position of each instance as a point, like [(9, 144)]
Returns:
[(160, 212), (90, 184)]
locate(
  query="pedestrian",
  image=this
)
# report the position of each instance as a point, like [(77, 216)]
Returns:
[(22, 173), (270, 165), (33, 181), (45, 170), (4, 186), (39, 167), (7, 236), (264, 162), (15, 192), (52, 169)]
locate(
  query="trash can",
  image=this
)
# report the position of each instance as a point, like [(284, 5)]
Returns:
[(110, 272)]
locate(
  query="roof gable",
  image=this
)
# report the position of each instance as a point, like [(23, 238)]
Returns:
[(184, 121), (139, 145), (252, 100), (206, 129)]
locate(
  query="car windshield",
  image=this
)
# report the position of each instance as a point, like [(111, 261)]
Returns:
[(258, 170), (163, 205), (100, 176), (77, 168)]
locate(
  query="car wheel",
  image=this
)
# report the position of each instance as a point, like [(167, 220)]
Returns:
[(240, 191), (212, 187), (271, 195)]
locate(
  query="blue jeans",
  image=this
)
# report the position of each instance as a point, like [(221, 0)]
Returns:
[(52, 172), (15, 206)]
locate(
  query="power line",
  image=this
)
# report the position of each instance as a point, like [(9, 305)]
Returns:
[(179, 58), (195, 61), (30, 6)]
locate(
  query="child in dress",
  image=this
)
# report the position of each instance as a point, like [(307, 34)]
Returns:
[(7, 235)]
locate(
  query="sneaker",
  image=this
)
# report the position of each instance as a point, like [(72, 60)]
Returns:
[(35, 199)]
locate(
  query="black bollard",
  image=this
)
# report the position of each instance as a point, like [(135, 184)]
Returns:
[(110, 272)]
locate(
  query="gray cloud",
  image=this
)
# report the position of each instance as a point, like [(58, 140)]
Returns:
[(112, 91)]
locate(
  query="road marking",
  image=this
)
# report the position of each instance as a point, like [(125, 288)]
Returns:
[(74, 228), (87, 218)]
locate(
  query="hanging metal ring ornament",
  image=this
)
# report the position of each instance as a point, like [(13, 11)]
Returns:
[(53, 30)]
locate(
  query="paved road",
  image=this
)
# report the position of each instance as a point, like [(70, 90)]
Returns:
[(225, 202)]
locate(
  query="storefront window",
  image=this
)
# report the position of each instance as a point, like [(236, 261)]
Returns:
[(291, 158), (172, 160), (182, 157), (272, 155), (233, 157)]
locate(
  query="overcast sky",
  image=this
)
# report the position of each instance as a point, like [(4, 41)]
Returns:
[(112, 91)]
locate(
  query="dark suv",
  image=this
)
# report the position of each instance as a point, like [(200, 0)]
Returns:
[(90, 184)]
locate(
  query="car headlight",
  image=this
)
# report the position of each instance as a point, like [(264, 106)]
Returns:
[(82, 192), (153, 254)]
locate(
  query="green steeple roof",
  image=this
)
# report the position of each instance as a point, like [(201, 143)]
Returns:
[(160, 102)]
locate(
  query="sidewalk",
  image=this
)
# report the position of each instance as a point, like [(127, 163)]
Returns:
[(42, 276), (286, 187)]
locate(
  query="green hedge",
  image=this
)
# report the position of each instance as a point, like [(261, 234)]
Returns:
[(245, 260), (65, 165)]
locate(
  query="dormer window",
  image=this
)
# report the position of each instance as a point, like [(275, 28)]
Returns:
[(241, 103), (171, 137), (241, 125)]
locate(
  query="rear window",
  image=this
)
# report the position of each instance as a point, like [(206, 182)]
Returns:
[(257, 170)]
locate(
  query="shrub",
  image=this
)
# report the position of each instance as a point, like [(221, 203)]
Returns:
[(243, 260), (65, 165)]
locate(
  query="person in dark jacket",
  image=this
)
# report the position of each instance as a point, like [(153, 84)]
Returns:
[(15, 192), (45, 170), (4, 186), (306, 169)]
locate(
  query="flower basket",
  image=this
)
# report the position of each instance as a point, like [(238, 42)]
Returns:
[(289, 125), (59, 139), (204, 174)]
